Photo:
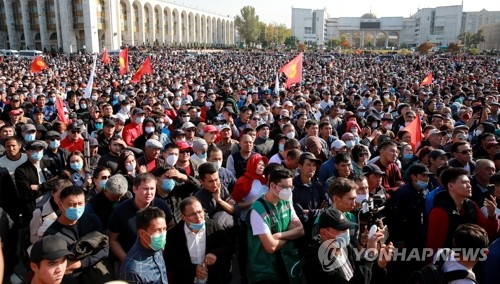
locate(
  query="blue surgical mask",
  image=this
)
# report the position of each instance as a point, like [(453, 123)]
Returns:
[(361, 113), (139, 119), (201, 133), (102, 184), (28, 137), (203, 155), (158, 241), (74, 213), (98, 125), (37, 156), (198, 226), (161, 97), (83, 106), (52, 100), (342, 240), (350, 144), (168, 184), (281, 147), (407, 156), (55, 144), (76, 166), (422, 184)]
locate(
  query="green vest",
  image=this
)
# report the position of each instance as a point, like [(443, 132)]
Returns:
[(262, 265)]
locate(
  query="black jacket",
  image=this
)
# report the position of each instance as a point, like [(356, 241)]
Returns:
[(177, 256), (27, 175)]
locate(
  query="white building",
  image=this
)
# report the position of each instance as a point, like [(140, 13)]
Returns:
[(309, 26), (93, 24), (440, 25)]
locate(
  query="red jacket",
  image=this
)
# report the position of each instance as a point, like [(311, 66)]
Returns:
[(130, 132), (244, 183), (72, 145)]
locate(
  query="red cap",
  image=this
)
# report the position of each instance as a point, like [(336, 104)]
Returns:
[(183, 145), (210, 128)]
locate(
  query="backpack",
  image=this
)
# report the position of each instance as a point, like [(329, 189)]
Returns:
[(433, 274)]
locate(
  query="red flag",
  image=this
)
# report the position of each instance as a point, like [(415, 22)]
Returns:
[(38, 65), (123, 61), (293, 70), (144, 69), (186, 89), (427, 80), (415, 130), (60, 110), (105, 57)]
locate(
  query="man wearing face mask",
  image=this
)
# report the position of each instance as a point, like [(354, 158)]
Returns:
[(272, 226), (32, 176), (54, 151), (134, 129), (199, 156), (198, 250), (144, 262), (331, 258), (73, 224), (28, 132), (124, 110)]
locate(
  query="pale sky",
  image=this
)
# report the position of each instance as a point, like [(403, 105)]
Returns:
[(280, 11)]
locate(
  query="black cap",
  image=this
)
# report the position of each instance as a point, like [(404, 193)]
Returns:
[(53, 133), (228, 109), (438, 153), (333, 218), (372, 169), (308, 156), (36, 144), (74, 125), (137, 111), (109, 122), (50, 248), (176, 133), (262, 126), (422, 169)]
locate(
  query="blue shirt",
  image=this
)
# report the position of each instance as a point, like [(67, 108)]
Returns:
[(429, 200), (142, 265)]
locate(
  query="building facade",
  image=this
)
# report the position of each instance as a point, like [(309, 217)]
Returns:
[(309, 26), (71, 25), (491, 33), (440, 25)]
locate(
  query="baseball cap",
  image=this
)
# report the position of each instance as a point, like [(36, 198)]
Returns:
[(183, 145), (333, 218), (176, 133), (416, 169), (36, 144), (153, 143), (372, 169), (74, 125), (210, 128), (53, 133), (28, 127), (338, 144), (188, 125), (109, 123), (93, 142), (224, 126), (15, 112), (50, 247), (436, 131), (308, 156), (228, 109), (137, 111), (438, 152), (199, 144)]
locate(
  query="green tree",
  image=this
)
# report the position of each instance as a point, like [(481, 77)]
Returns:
[(333, 42), (470, 40), (248, 25), (291, 41)]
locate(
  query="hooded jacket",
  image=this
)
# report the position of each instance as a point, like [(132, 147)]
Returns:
[(244, 183), (140, 142)]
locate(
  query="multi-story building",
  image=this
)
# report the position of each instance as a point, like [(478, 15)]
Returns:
[(72, 25), (440, 25), (309, 26)]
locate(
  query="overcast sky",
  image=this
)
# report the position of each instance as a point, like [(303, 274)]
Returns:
[(280, 11)]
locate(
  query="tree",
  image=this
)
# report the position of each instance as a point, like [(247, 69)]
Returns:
[(291, 41), (453, 47), (248, 25), (425, 47), (333, 42), (470, 40)]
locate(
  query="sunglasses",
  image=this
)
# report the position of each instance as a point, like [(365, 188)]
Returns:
[(105, 177), (465, 152), (76, 131), (363, 154), (55, 138), (255, 118), (185, 152), (190, 130)]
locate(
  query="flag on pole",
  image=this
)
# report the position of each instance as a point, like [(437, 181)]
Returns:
[(60, 110), (90, 82), (415, 129), (123, 61), (293, 71), (277, 84), (105, 57), (38, 65), (427, 80), (144, 69)]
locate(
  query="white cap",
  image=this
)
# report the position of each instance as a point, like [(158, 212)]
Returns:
[(338, 144)]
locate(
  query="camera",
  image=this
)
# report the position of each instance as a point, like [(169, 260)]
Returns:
[(372, 211)]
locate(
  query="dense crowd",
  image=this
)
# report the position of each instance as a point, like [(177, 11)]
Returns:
[(210, 170)]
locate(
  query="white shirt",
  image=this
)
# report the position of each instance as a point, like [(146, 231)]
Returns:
[(257, 190), (452, 264), (196, 243), (10, 165), (260, 227), (275, 159)]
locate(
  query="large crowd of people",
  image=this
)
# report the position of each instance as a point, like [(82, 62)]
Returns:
[(213, 170)]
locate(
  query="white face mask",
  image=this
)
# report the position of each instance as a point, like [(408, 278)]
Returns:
[(290, 135), (285, 194), (217, 164), (360, 198), (172, 160), (185, 119), (149, 129), (130, 167), (388, 126)]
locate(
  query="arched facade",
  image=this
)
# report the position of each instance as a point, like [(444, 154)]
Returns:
[(96, 24)]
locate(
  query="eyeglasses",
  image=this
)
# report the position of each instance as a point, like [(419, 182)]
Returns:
[(281, 187), (465, 152)]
